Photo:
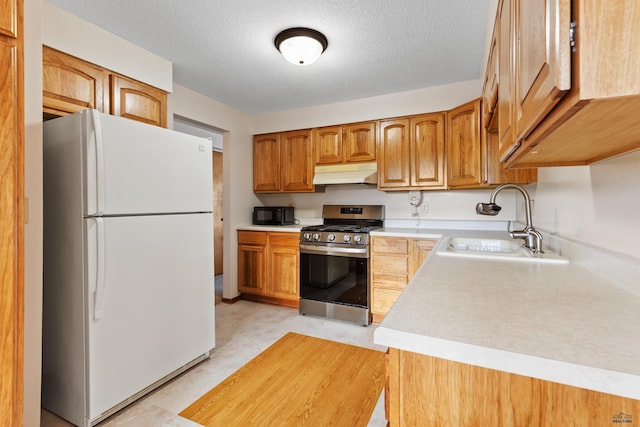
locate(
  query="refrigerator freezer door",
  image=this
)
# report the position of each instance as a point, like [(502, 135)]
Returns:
[(157, 302), (134, 168)]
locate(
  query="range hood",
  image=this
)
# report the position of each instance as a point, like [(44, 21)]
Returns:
[(346, 173)]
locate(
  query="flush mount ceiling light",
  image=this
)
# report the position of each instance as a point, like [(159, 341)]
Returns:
[(301, 46)]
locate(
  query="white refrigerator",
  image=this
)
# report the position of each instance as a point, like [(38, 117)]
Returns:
[(128, 261)]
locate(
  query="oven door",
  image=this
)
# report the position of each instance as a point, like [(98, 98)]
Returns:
[(335, 275)]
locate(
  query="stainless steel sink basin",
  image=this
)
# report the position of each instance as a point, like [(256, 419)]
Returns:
[(500, 249)]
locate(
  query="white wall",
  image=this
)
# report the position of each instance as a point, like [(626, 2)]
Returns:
[(61, 30), (33, 229), (597, 204), (437, 98)]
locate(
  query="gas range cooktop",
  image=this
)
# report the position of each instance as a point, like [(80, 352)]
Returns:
[(341, 228), (344, 225)]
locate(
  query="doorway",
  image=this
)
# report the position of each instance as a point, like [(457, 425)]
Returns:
[(182, 124)]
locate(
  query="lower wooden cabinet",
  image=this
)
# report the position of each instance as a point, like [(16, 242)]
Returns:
[(394, 262), (269, 267), (427, 391)]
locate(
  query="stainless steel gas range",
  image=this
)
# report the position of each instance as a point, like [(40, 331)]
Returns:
[(334, 263)]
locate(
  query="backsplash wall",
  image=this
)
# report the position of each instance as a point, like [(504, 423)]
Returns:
[(441, 205), (595, 204)]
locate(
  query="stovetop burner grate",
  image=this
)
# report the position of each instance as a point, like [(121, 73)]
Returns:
[(341, 228)]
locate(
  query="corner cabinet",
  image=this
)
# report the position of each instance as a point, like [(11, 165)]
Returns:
[(573, 74), (411, 153), (269, 267), (70, 85), (283, 162), (394, 262)]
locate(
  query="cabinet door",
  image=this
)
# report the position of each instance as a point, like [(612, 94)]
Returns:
[(506, 81), (251, 268), (328, 145), (138, 101), (427, 150), (12, 213), (394, 154), (266, 163), (70, 85), (464, 145), (543, 59), (420, 250), (360, 142), (297, 161), (490, 88), (284, 271)]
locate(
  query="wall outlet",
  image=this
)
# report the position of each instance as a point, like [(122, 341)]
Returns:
[(424, 208)]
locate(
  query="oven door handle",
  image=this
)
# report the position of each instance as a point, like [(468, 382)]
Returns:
[(329, 250)]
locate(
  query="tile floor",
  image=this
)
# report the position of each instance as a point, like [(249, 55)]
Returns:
[(243, 330)]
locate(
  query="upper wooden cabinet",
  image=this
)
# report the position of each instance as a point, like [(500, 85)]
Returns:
[(570, 107), (297, 161), (427, 151), (411, 153), (537, 64), (464, 145), (70, 85), (283, 162), (266, 163), (328, 145), (490, 88), (348, 143), (359, 142), (543, 59), (138, 101), (506, 80)]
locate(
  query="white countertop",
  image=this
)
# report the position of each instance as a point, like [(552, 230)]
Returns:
[(559, 323), (294, 228)]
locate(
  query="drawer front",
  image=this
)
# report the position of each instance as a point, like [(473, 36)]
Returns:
[(252, 237), (390, 264), (383, 299), (284, 239), (391, 245), (389, 280)]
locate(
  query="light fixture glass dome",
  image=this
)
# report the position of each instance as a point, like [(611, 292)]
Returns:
[(301, 46)]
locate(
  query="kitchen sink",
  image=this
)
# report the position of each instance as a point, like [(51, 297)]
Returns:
[(497, 249)]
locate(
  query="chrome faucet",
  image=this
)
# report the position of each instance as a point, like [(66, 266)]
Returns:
[(532, 238)]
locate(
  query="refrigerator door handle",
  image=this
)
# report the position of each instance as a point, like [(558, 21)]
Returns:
[(99, 292), (97, 128)]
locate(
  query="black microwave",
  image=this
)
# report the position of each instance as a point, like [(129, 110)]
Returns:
[(273, 215)]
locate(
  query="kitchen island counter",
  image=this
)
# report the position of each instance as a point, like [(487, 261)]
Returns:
[(555, 322)]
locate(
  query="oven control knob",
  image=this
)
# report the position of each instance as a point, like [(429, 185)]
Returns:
[(307, 236), (331, 237), (357, 239), (316, 236), (347, 238)]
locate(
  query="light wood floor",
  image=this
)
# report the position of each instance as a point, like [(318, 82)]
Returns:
[(298, 381)]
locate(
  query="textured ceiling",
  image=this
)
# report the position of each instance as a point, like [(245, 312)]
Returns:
[(224, 48)]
